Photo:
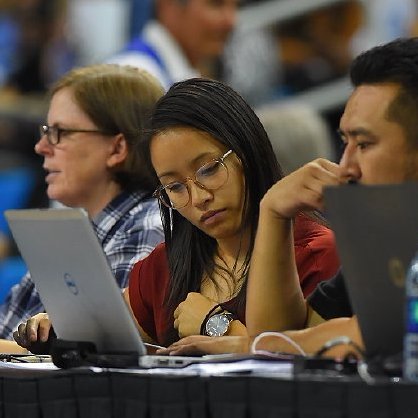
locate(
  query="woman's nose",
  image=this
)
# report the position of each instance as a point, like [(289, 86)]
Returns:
[(43, 147), (198, 194)]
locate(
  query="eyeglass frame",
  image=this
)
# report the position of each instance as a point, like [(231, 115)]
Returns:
[(160, 189), (46, 130)]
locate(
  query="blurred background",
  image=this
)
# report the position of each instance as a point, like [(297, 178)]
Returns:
[(288, 58)]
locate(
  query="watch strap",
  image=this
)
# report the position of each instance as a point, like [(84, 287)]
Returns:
[(230, 316)]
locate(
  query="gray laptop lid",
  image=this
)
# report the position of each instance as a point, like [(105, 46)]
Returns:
[(73, 278), (77, 286), (376, 229)]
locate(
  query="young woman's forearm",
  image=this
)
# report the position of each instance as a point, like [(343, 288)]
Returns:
[(274, 298), (310, 340)]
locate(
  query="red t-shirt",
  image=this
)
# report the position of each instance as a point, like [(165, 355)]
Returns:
[(316, 260)]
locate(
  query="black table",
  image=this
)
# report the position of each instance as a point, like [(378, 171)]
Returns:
[(84, 393)]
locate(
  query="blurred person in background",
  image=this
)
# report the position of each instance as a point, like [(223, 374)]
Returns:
[(27, 28), (316, 47), (251, 65), (8, 39), (293, 54), (183, 40), (34, 52), (43, 52), (384, 20), (92, 159), (297, 133)]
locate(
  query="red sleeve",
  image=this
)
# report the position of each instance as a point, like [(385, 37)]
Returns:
[(148, 283), (316, 253)]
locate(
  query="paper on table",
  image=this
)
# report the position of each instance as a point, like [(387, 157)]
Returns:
[(250, 366), (282, 369), (28, 366)]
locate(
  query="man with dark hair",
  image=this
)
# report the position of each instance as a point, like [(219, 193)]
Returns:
[(380, 136), (182, 38)]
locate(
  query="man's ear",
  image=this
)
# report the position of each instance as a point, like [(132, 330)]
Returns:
[(118, 151)]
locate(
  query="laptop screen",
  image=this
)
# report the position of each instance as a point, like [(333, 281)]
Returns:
[(376, 229), (74, 279)]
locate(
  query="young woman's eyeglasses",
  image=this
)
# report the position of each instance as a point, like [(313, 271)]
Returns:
[(53, 133), (210, 176)]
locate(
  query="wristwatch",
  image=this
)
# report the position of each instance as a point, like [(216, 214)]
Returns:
[(218, 324)]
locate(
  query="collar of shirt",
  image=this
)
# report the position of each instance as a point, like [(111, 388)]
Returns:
[(107, 219)]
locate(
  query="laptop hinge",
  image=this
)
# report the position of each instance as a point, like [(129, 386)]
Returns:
[(66, 354)]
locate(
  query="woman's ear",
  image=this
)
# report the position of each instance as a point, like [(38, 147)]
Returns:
[(118, 151)]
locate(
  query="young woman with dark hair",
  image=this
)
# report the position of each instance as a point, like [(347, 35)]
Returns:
[(214, 162)]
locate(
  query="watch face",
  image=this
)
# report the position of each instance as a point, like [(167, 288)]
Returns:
[(217, 325)]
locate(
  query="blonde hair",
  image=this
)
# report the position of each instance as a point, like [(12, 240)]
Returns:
[(118, 99)]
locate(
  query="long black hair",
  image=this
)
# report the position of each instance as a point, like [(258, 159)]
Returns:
[(212, 107)]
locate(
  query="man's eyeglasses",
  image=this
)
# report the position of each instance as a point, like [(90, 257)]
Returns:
[(210, 176), (53, 133)]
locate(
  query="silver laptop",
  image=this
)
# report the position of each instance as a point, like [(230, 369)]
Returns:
[(76, 284), (376, 229)]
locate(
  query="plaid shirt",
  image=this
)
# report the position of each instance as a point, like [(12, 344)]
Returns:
[(128, 228)]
